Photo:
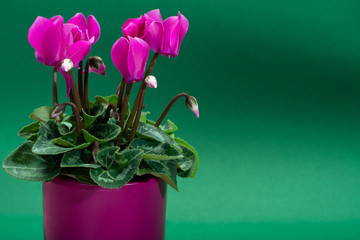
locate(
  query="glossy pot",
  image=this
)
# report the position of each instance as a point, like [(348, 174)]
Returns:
[(74, 210)]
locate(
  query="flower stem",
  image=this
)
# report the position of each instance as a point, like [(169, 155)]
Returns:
[(120, 93), (76, 113), (171, 103), (124, 106), (140, 92), (86, 86), (94, 150), (55, 94), (151, 65), (80, 82), (138, 115), (74, 90), (108, 110)]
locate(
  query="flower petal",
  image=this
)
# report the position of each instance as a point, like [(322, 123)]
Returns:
[(78, 51), (93, 28), (153, 15), (57, 20), (134, 27), (137, 57), (67, 80), (66, 39), (119, 53), (79, 20), (184, 26), (155, 36), (44, 37), (131, 30), (171, 36)]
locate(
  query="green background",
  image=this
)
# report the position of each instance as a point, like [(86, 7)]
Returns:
[(278, 85)]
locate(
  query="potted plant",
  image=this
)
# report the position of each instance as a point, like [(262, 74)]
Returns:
[(105, 167)]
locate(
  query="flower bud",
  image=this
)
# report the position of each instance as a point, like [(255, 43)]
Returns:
[(97, 65), (66, 64), (58, 110), (192, 104), (151, 81)]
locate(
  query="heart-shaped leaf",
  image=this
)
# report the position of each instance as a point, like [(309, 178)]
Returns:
[(43, 145), (169, 127), (24, 164), (165, 170), (79, 173), (148, 131), (102, 133), (29, 130), (95, 112), (188, 165), (156, 150), (118, 177), (42, 114), (106, 100), (81, 158)]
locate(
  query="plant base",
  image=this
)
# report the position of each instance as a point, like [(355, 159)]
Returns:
[(74, 210)]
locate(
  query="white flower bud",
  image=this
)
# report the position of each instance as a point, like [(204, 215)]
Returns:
[(151, 81), (67, 64)]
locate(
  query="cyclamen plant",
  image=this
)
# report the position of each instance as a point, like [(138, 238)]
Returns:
[(105, 142)]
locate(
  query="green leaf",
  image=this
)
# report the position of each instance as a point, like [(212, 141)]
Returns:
[(145, 130), (42, 114), (62, 142), (68, 125), (107, 157), (118, 177), (45, 147), (65, 128), (48, 132), (102, 133), (165, 170), (95, 112), (106, 100), (29, 130), (33, 137), (24, 164), (151, 122), (189, 164), (156, 150), (143, 116), (169, 127), (81, 158), (79, 173), (68, 140)]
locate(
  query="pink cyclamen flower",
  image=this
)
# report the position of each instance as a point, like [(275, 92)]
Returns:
[(54, 45), (165, 36), (130, 56), (84, 29), (134, 27)]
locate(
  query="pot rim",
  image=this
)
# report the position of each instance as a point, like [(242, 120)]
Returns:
[(72, 182)]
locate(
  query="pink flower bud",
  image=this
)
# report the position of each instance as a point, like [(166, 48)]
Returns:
[(192, 104), (58, 110), (151, 82), (97, 66)]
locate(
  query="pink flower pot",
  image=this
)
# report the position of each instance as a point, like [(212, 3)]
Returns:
[(74, 210)]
